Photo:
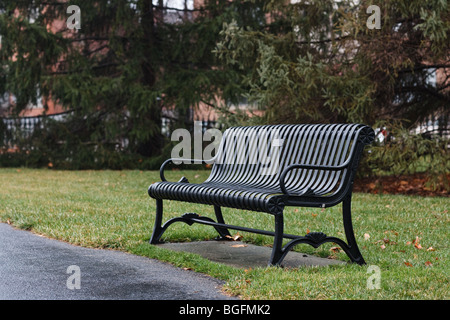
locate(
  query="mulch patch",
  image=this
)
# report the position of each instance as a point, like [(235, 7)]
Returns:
[(409, 184)]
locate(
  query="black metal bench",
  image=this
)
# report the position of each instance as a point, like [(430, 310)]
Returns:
[(309, 166)]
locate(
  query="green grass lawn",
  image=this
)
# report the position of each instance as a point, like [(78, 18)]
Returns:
[(405, 237)]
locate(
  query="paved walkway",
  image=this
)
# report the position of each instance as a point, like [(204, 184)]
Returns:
[(34, 267)]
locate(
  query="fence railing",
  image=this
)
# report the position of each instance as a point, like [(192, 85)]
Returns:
[(16, 128), (23, 127), (434, 126)]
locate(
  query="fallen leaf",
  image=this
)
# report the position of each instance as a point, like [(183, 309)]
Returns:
[(307, 231), (239, 245), (335, 249), (428, 264), (236, 237), (187, 269), (431, 249), (408, 264), (383, 246), (366, 236), (314, 214), (417, 244)]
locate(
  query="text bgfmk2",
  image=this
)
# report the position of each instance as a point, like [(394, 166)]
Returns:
[(237, 309)]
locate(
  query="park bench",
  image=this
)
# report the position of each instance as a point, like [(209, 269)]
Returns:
[(267, 168)]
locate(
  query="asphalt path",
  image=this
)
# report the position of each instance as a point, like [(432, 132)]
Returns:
[(33, 267)]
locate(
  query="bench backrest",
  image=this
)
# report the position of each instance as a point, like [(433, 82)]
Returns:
[(255, 156)]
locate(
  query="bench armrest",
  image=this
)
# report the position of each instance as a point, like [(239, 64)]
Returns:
[(308, 166), (172, 160), (320, 167)]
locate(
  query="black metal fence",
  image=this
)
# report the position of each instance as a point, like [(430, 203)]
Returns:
[(23, 127), (16, 128), (168, 125)]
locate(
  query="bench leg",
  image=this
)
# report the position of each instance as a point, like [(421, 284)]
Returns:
[(356, 255), (223, 232), (277, 250), (157, 229), (316, 239)]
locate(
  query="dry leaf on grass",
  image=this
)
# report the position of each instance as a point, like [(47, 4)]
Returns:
[(417, 244)]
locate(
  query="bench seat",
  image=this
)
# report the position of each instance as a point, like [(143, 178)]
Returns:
[(224, 195)]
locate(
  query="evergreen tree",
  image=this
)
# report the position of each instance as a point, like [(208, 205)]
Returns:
[(127, 61), (325, 61)]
